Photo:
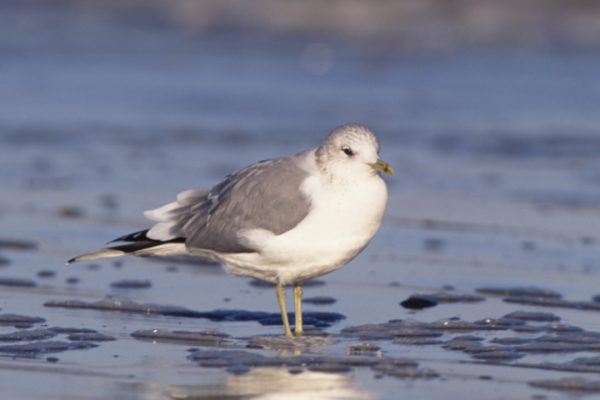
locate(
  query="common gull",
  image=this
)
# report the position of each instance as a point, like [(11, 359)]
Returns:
[(284, 220)]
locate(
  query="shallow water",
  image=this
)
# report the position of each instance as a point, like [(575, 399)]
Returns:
[(496, 186)]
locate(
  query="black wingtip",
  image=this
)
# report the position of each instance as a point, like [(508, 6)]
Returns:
[(72, 260), (132, 237)]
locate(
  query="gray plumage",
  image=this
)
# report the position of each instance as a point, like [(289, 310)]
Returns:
[(264, 195)]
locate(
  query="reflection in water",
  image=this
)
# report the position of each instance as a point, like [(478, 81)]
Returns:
[(263, 383)]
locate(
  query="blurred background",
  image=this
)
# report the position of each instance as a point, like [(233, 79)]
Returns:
[(431, 70)]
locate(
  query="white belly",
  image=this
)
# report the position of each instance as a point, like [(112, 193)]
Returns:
[(340, 224)]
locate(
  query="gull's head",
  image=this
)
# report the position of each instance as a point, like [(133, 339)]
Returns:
[(351, 149)]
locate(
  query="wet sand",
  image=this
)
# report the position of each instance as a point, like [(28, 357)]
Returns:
[(491, 229)]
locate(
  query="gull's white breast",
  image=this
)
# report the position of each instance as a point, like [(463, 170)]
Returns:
[(343, 218)]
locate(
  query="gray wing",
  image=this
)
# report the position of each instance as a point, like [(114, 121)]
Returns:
[(265, 195)]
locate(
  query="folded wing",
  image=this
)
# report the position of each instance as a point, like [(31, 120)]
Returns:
[(265, 195)]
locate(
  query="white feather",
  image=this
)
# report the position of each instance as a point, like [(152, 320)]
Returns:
[(166, 217), (162, 213)]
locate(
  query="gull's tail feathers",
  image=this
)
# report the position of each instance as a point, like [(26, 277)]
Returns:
[(138, 245)]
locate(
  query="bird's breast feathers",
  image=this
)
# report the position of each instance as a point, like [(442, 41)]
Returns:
[(342, 220)]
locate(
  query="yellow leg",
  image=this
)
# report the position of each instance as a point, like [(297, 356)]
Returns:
[(298, 329), (284, 317)]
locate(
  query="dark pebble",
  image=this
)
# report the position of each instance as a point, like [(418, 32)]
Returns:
[(528, 245), (46, 273), (434, 245), (468, 338), (295, 370), (418, 303), (15, 244), (70, 212), (72, 280), (424, 300), (17, 282), (22, 325), (132, 284), (238, 369), (52, 359), (319, 300)]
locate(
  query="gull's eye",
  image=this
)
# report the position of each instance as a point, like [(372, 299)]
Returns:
[(348, 151)]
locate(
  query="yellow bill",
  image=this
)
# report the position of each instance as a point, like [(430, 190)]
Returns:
[(382, 166)]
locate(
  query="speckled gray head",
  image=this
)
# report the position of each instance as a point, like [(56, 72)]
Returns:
[(352, 146)]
